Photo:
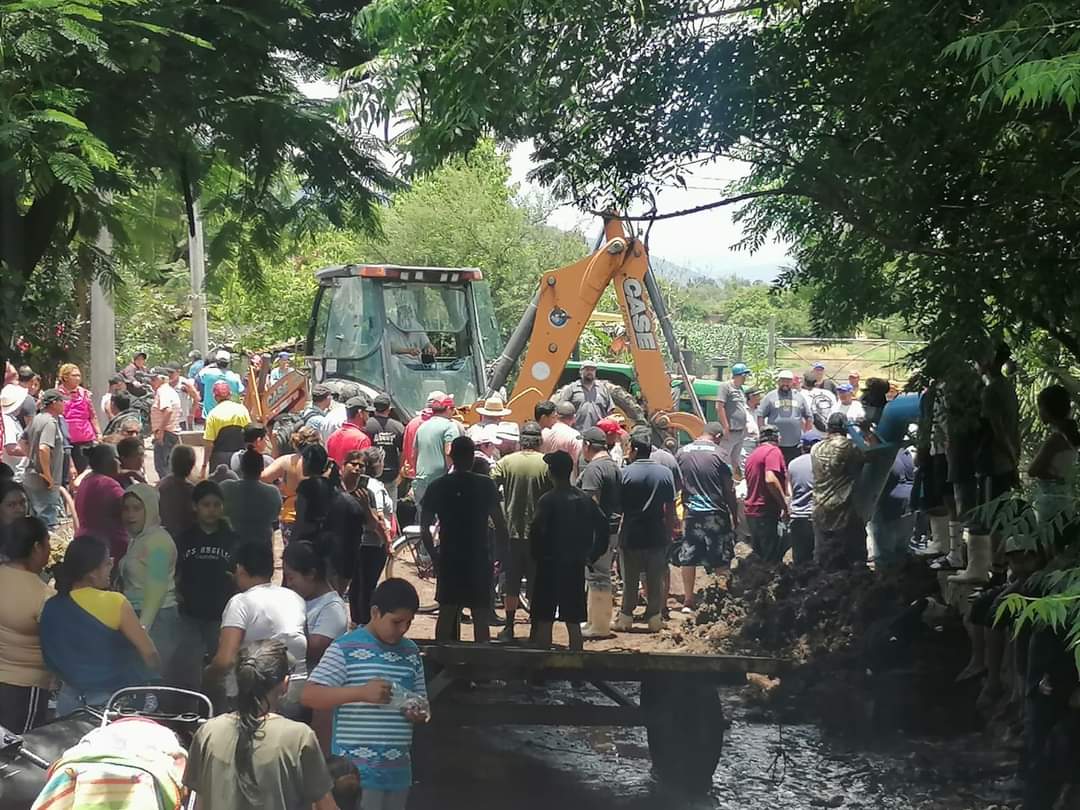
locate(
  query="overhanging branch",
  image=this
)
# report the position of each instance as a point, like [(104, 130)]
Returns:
[(738, 198), (725, 12)]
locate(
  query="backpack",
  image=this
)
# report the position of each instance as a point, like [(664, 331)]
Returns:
[(821, 407)]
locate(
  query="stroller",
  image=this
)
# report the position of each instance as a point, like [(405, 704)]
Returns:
[(131, 754)]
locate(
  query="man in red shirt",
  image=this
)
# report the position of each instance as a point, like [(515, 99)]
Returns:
[(766, 502), (350, 436)]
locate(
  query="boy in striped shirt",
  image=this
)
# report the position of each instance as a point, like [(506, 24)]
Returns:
[(356, 678)]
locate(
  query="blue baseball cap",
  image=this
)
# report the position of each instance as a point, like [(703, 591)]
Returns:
[(740, 368), (811, 437), (845, 388), (819, 364)]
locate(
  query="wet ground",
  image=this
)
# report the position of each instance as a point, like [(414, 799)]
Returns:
[(764, 766)]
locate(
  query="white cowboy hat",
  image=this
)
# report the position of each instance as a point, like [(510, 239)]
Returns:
[(508, 433), (11, 399), (493, 406)]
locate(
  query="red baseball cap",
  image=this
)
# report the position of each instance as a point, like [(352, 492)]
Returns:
[(610, 427)]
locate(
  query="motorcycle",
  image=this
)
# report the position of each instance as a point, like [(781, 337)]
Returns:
[(25, 759)]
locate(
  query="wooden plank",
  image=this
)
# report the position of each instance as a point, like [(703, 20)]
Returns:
[(610, 692), (478, 660), (523, 714)]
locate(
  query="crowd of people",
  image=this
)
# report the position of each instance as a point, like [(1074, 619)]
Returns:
[(170, 576)]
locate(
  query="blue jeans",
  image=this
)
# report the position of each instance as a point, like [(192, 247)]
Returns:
[(198, 643), (891, 539), (167, 635), (162, 451), (68, 699), (44, 503)]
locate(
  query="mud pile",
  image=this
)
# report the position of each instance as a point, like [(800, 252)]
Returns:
[(799, 612)]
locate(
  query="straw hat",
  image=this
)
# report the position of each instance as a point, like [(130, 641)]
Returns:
[(493, 406)]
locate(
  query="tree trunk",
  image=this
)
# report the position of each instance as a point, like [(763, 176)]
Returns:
[(24, 240)]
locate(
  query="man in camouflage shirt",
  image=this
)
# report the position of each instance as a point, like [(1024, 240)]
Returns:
[(840, 534)]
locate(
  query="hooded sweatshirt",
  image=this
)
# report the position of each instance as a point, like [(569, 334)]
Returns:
[(148, 570)]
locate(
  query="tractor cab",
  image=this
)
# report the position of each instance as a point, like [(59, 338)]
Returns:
[(621, 374), (404, 331)]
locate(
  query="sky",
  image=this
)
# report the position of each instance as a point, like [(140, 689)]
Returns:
[(701, 242)]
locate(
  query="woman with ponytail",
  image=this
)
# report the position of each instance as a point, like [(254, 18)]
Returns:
[(253, 758), (1052, 468), (287, 472), (90, 636)]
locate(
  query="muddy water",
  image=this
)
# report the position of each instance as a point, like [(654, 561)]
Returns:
[(764, 767)]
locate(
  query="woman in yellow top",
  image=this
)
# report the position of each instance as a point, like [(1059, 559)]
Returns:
[(90, 636), (148, 570), (24, 680), (288, 471)]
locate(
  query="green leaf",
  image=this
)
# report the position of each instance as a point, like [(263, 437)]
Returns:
[(168, 32), (80, 10), (36, 44), (71, 171), (58, 117), (81, 35)]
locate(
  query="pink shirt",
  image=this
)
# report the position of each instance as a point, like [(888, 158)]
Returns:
[(78, 413), (561, 436), (97, 503), (408, 446)]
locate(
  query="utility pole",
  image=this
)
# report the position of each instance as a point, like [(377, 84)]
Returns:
[(102, 333), (200, 338)]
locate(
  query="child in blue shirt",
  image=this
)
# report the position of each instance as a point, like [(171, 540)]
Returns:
[(356, 677)]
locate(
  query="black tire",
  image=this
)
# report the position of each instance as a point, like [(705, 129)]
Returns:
[(685, 731)]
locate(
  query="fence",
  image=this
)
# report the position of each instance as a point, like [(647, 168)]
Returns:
[(871, 358)]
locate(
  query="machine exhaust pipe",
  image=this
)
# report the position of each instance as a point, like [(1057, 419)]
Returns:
[(662, 315), (515, 347)]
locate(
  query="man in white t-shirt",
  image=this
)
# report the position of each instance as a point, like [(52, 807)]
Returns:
[(822, 402), (849, 406), (260, 611)]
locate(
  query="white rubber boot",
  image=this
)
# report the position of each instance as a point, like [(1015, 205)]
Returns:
[(600, 608), (980, 560), (956, 544), (939, 537)]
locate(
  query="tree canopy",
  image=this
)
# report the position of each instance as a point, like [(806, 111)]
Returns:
[(912, 152), (103, 97), (464, 213)]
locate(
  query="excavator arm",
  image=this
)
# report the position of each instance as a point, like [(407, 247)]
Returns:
[(559, 312)]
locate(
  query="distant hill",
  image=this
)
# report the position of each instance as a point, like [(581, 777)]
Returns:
[(676, 273), (682, 275)]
